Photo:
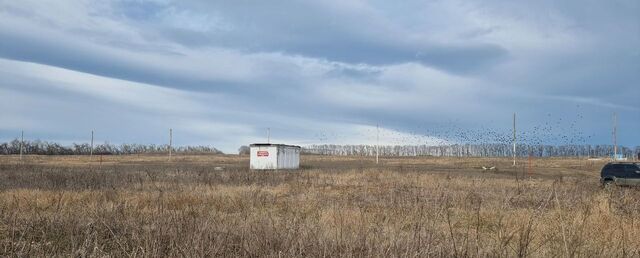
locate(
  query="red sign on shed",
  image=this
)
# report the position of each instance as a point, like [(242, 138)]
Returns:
[(263, 154)]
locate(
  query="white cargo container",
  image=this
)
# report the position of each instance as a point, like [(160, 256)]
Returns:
[(274, 156)]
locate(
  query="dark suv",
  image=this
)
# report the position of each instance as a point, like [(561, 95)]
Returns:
[(620, 174)]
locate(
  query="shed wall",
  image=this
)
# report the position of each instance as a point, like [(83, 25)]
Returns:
[(261, 161), (288, 157)]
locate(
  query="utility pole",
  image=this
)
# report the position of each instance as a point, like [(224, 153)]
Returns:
[(170, 142), (377, 141), (91, 151), (268, 135), (615, 136), (21, 143), (514, 139)]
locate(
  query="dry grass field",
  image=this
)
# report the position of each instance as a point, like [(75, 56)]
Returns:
[(131, 206)]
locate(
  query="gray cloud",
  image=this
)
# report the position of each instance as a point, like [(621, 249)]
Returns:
[(221, 72), (316, 30)]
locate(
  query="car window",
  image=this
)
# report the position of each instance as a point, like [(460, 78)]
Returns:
[(617, 168), (628, 168)]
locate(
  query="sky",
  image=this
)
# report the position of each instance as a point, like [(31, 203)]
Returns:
[(319, 72)]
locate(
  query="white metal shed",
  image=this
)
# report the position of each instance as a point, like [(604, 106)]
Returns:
[(274, 156)]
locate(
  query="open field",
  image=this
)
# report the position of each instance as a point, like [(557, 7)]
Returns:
[(334, 206)]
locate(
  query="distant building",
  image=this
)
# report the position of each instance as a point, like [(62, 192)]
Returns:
[(274, 156), (619, 157)]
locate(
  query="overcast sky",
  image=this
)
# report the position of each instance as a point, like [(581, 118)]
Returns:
[(221, 72)]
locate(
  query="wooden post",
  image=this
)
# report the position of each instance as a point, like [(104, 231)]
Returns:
[(21, 143), (514, 139), (170, 142), (615, 137), (91, 151), (530, 163), (377, 141)]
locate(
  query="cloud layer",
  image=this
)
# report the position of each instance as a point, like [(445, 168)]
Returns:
[(221, 72)]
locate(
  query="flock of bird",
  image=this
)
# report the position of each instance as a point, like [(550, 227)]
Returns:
[(553, 131)]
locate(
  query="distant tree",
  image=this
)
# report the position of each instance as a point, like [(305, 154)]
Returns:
[(244, 150)]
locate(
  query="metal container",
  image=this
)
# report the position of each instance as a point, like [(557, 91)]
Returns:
[(274, 156)]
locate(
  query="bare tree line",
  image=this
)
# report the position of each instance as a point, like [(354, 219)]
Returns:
[(472, 150), (38, 147), (52, 148)]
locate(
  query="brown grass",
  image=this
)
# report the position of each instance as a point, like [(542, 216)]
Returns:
[(335, 206)]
